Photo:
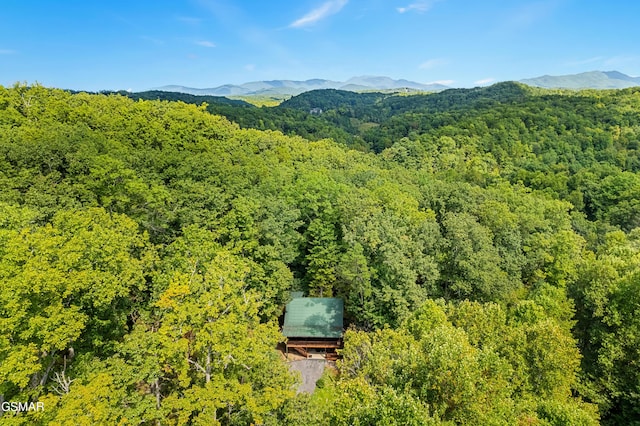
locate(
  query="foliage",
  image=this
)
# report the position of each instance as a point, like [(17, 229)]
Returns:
[(467, 363), (147, 248)]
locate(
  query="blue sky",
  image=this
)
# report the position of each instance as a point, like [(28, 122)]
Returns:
[(140, 44)]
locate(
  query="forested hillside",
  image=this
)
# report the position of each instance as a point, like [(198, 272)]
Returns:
[(485, 242)]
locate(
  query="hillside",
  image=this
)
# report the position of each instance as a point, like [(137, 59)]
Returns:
[(486, 249), (294, 87), (342, 115), (586, 80), (283, 89)]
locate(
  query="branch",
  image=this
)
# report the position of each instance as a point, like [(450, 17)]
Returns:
[(193, 271), (62, 380), (234, 360), (198, 366)]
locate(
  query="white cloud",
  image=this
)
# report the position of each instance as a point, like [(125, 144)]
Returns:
[(153, 40), (443, 82), (604, 62), (484, 81), (250, 67), (432, 63), (529, 14), (585, 61), (189, 20), (327, 9), (616, 61), (205, 43), (419, 6)]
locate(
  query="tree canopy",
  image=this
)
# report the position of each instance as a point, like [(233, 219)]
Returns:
[(485, 242)]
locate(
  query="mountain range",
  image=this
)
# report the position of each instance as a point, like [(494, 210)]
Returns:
[(586, 80), (294, 87)]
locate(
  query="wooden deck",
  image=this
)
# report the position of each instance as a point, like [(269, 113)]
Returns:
[(302, 347), (315, 344)]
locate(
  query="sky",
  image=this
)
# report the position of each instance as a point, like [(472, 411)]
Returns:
[(141, 44)]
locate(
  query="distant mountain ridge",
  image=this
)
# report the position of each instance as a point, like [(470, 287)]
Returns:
[(585, 80), (295, 87)]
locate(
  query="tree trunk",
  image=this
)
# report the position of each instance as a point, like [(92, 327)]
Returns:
[(208, 366)]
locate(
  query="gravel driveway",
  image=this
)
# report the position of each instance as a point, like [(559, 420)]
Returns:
[(310, 370)]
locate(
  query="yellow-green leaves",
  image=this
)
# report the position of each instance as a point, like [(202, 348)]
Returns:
[(221, 362), (466, 363), (65, 285)]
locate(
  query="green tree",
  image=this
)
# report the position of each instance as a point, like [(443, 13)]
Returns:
[(472, 261), (223, 358), (67, 288)]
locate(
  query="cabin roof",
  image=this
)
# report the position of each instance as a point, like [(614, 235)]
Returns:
[(320, 317)]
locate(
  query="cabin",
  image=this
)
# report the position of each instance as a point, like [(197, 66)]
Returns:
[(314, 325)]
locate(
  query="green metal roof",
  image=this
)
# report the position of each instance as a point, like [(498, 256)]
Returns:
[(314, 317), (297, 294)]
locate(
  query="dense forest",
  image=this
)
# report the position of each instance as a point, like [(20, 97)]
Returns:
[(486, 243)]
